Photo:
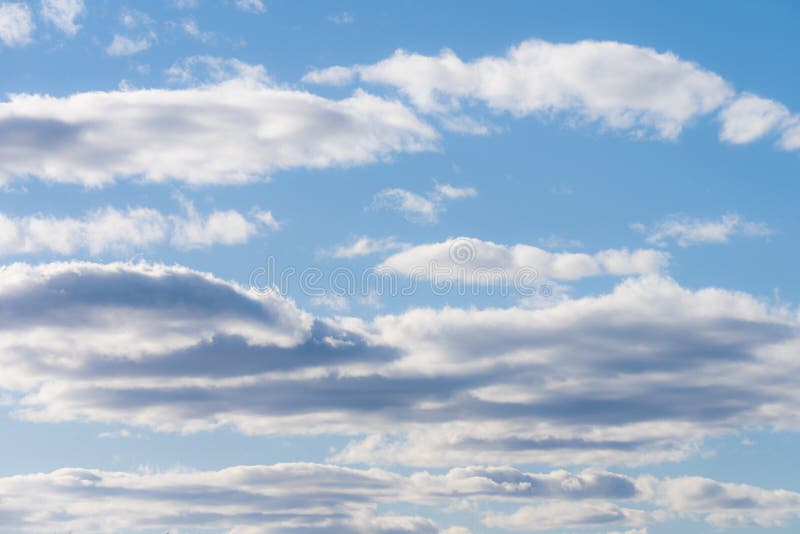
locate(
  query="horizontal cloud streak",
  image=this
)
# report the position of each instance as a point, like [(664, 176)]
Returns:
[(112, 231), (478, 261), (307, 497), (231, 132), (621, 86)]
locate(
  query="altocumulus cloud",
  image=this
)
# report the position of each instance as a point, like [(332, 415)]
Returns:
[(234, 131), (640, 374), (304, 497), (620, 86)]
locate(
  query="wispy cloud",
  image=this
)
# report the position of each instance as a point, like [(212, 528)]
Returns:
[(687, 231), (16, 24), (420, 208)]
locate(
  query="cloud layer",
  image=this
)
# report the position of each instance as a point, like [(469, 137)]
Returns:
[(641, 374), (303, 497)]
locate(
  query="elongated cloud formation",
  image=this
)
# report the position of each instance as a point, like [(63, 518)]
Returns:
[(231, 132), (480, 262), (640, 374), (307, 497), (620, 86), (112, 231), (687, 231)]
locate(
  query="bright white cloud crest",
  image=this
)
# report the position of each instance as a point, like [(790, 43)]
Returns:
[(233, 132)]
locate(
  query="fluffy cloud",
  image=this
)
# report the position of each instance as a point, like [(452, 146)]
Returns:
[(751, 117), (16, 23), (621, 86), (62, 14), (420, 208), (111, 231), (687, 231), (230, 132), (640, 374), (484, 262), (308, 497)]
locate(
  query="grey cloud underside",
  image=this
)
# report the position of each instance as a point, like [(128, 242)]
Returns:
[(641, 374), (325, 498)]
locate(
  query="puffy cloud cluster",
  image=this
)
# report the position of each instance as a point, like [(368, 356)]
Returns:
[(639, 374)]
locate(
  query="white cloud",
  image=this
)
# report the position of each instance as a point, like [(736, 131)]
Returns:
[(190, 27), (62, 14), (127, 46), (687, 231), (554, 241), (221, 133), (228, 227), (207, 70), (624, 87), (267, 219), (105, 230), (333, 301), (111, 231), (477, 261), (16, 24), (418, 208), (620, 86), (750, 117), (365, 246), (307, 497), (641, 374), (449, 191), (568, 516), (252, 6)]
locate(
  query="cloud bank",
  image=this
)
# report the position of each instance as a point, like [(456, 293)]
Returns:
[(640, 374), (231, 132), (305, 497)]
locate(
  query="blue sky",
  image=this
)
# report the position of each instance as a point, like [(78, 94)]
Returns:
[(373, 267)]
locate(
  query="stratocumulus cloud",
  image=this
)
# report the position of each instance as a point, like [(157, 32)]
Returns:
[(231, 132), (307, 497), (639, 374), (620, 86)]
